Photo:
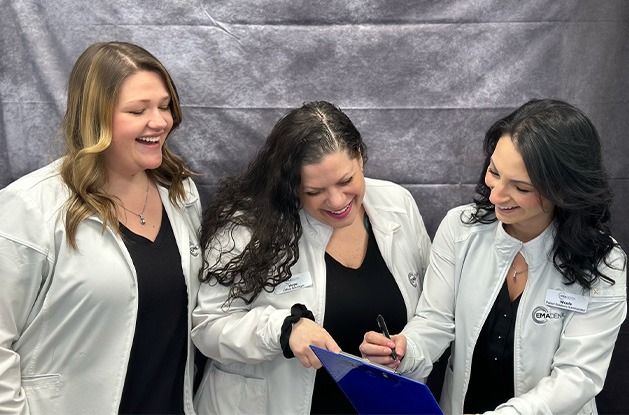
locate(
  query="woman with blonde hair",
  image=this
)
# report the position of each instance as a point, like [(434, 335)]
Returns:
[(99, 253)]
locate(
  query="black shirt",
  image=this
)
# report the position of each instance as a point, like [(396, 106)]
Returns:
[(491, 381), (155, 374), (354, 298)]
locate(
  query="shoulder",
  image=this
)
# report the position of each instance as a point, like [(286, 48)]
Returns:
[(42, 191), (192, 193), (460, 214), (190, 199), (383, 192), (456, 224), (384, 186), (231, 238), (32, 206), (615, 267)]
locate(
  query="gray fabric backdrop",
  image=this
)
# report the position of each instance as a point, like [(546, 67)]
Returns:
[(422, 81)]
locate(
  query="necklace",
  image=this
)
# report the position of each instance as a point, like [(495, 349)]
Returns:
[(141, 214), (516, 272)]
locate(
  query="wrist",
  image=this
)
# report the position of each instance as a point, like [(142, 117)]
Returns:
[(297, 312)]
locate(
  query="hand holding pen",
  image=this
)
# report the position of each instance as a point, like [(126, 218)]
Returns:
[(382, 348), (385, 331)]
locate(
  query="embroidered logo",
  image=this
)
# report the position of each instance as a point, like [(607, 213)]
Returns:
[(413, 277), (541, 315), (194, 250)]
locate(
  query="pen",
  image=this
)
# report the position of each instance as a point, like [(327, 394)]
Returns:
[(385, 331)]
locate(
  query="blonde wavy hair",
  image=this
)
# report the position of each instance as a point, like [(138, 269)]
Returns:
[(93, 88)]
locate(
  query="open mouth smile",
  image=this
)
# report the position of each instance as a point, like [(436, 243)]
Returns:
[(339, 214)]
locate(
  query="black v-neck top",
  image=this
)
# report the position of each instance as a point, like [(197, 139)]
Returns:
[(491, 381), (354, 298), (155, 374)]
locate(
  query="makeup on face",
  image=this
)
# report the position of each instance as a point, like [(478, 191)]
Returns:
[(142, 120), (517, 203), (333, 189)]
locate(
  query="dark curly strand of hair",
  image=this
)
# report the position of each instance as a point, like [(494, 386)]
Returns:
[(562, 153), (265, 198)]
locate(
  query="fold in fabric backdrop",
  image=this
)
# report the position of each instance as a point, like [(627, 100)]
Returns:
[(422, 81)]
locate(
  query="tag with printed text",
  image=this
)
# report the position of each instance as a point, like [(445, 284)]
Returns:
[(296, 282), (567, 301)]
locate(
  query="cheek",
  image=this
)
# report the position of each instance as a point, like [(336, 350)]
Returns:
[(359, 186), (116, 128), (308, 203), (169, 120), (529, 201)]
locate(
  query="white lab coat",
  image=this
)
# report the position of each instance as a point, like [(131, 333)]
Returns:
[(67, 317), (560, 356), (249, 373)]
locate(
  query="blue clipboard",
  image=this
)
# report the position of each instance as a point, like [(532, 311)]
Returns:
[(377, 389)]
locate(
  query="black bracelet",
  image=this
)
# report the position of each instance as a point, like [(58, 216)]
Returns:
[(297, 311)]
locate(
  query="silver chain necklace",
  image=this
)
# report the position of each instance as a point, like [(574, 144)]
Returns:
[(141, 214), (516, 272)]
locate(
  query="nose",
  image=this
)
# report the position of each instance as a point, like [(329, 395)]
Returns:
[(158, 120), (498, 195), (336, 199)]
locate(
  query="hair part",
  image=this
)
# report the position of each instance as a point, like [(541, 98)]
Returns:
[(93, 88), (265, 199), (562, 153)]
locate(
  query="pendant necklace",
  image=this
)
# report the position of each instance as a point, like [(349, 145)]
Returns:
[(516, 272), (141, 214)]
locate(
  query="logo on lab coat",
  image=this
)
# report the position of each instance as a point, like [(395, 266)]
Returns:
[(413, 277), (541, 315)]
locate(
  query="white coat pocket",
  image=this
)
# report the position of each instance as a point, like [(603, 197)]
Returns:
[(42, 393), (230, 393)]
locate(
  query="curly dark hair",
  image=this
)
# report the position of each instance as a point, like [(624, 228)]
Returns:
[(265, 199), (562, 153)]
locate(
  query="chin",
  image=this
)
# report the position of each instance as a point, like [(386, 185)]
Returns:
[(153, 165)]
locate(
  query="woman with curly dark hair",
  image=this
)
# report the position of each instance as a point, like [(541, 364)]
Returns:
[(301, 249), (527, 282)]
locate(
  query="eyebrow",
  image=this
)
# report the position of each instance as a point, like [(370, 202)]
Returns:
[(312, 188), (133, 101)]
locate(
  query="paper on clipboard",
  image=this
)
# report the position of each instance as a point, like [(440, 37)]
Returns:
[(376, 389)]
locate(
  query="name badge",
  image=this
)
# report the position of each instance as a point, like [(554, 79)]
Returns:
[(296, 282), (567, 301)]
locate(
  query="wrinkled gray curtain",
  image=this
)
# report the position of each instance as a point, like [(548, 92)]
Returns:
[(422, 81)]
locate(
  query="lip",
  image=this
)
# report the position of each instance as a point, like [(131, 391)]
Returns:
[(505, 210), (343, 215)]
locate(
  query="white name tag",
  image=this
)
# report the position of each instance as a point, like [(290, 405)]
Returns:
[(296, 282), (567, 301)]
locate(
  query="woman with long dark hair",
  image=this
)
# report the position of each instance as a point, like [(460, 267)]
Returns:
[(527, 282), (301, 249)]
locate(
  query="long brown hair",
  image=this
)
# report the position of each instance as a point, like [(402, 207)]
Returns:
[(93, 88)]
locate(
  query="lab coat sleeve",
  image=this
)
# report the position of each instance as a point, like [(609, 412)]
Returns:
[(421, 235), (431, 330), (23, 276), (236, 332)]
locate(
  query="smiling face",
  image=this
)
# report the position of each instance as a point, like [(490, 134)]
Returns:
[(332, 190), (141, 123), (523, 210)]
